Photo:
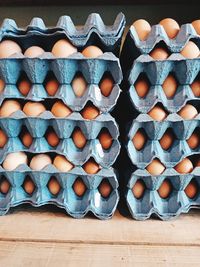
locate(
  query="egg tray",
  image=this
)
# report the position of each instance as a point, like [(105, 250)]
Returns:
[(77, 207), (152, 204), (93, 32), (64, 69), (154, 130)]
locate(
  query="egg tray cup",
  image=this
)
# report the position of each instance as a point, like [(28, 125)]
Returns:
[(184, 70), (152, 204), (94, 32), (77, 207), (154, 130), (64, 70)]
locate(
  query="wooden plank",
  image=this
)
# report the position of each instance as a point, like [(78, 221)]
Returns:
[(31, 224)]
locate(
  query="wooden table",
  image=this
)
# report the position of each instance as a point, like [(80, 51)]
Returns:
[(47, 237)]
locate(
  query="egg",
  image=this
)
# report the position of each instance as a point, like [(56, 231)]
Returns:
[(92, 51), (79, 187), (27, 139), (79, 86), (170, 26), (167, 140), (52, 87), (3, 139), (105, 188), (155, 167), (170, 86), (139, 189), (143, 28), (33, 109), (90, 112), (188, 112), (4, 186), (194, 140), (106, 85), (8, 48), (91, 167), (63, 48), (139, 140), (165, 189), (59, 109), (196, 25), (24, 86), (9, 107), (2, 85), (190, 50), (62, 163), (29, 186), (191, 189), (159, 53), (195, 86), (52, 138), (197, 163), (34, 51), (185, 166), (142, 87), (79, 138), (157, 113), (40, 161), (13, 160), (105, 139), (54, 186)]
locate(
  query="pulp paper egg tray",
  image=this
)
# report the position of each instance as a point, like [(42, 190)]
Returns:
[(108, 38), (66, 198), (64, 70), (151, 202)]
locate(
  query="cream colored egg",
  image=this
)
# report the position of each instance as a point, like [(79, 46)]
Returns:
[(59, 109), (157, 113), (9, 107), (13, 160), (34, 51), (143, 28), (63, 48), (8, 48), (155, 167), (40, 161), (159, 53), (62, 164), (79, 86), (33, 109), (188, 112), (190, 50), (171, 27), (92, 51)]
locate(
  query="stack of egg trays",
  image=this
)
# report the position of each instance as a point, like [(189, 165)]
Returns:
[(136, 62), (108, 38)]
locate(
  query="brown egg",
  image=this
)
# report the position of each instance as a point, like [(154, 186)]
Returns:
[(171, 27), (155, 167), (79, 138), (167, 140), (139, 140), (52, 87), (159, 53), (139, 189), (33, 109), (8, 48), (185, 166), (170, 86), (24, 87), (63, 48), (9, 107), (191, 189), (165, 189), (106, 85), (188, 112), (157, 113), (59, 109), (196, 88), (79, 187), (3, 139), (27, 139), (105, 139), (34, 51), (2, 85), (91, 167), (79, 86), (142, 28), (52, 138), (197, 163), (194, 140), (54, 186), (62, 163), (4, 186), (40, 161), (196, 25), (105, 188), (90, 112), (142, 87), (29, 186), (190, 50), (13, 160), (92, 51)]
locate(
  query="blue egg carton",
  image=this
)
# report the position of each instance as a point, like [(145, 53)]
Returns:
[(152, 204), (77, 207), (94, 31)]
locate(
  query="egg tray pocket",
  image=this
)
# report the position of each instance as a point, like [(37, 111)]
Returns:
[(93, 32), (154, 130), (76, 206), (152, 204), (64, 69)]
